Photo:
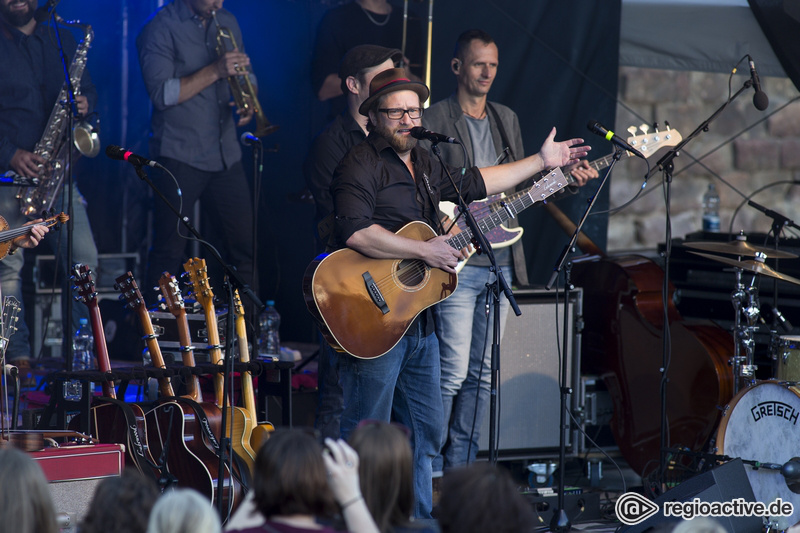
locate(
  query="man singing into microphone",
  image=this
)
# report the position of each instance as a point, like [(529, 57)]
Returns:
[(29, 89), (194, 134), (384, 182), (490, 133)]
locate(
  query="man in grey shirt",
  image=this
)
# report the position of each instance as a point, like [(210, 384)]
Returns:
[(490, 134), (194, 135)]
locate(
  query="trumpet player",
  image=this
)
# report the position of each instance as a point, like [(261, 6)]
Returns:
[(194, 132), (30, 85)]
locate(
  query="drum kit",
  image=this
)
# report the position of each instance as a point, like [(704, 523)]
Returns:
[(761, 424)]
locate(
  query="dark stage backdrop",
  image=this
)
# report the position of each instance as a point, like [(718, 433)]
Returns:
[(558, 68)]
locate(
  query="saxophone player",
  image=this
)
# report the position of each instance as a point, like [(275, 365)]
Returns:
[(29, 89), (194, 132)]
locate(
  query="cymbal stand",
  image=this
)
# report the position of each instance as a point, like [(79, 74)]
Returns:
[(746, 305)]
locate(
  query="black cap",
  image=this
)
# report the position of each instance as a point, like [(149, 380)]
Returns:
[(365, 56)]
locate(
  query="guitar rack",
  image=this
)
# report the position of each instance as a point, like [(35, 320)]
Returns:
[(274, 379)]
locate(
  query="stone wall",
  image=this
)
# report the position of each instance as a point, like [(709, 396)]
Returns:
[(767, 153)]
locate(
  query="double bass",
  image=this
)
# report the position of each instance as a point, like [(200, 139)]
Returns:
[(622, 343)]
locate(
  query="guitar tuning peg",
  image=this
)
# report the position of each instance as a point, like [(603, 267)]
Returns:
[(632, 130), (666, 123), (645, 128), (655, 126)]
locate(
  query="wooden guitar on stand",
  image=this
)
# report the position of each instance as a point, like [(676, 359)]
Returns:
[(261, 431), (113, 421), (181, 430), (241, 420)]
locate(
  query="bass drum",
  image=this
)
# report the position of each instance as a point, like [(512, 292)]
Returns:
[(762, 423)]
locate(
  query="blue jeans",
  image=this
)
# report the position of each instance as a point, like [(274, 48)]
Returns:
[(465, 345), (83, 251), (402, 385), (330, 402)]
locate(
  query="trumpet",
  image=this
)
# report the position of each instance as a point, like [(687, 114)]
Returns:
[(242, 88)]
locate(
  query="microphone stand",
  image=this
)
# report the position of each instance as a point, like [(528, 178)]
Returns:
[(258, 169), (233, 282), (66, 284), (667, 165), (499, 284), (560, 521)]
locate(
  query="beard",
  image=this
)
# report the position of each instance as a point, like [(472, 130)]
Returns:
[(18, 18), (400, 143)]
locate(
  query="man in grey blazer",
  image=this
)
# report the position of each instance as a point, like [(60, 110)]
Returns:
[(491, 134)]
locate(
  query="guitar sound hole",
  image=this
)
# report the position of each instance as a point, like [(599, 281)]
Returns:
[(411, 272)]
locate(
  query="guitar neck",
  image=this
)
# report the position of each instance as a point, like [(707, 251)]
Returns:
[(512, 206), (214, 350), (248, 392), (164, 384), (100, 348), (187, 355)]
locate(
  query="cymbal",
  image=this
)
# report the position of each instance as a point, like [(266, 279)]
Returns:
[(739, 247), (751, 265)]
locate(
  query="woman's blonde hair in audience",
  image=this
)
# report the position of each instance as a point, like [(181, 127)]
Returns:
[(25, 499), (183, 511)]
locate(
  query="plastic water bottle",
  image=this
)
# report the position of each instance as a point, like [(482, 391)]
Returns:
[(711, 209), (269, 323), (83, 347)]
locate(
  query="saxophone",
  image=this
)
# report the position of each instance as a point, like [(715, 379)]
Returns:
[(52, 147)]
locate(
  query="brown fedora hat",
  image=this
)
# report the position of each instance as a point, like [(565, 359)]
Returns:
[(394, 79)]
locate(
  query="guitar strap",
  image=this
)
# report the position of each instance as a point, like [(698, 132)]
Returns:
[(429, 190), (503, 136), (135, 439)]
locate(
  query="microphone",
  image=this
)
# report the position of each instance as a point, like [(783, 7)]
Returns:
[(248, 139), (602, 131), (121, 154), (43, 13), (791, 469), (760, 99), (418, 132)]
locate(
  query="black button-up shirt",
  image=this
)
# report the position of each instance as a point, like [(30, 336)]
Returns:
[(373, 186), (31, 80)]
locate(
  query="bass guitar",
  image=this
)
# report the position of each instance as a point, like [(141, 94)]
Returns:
[(501, 236), (364, 306), (241, 421)]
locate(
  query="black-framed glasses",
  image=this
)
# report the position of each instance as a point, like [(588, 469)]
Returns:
[(395, 113)]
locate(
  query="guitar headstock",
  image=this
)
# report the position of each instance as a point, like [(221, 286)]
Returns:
[(238, 308), (84, 284), (650, 142), (198, 276), (127, 285), (548, 184), (11, 309), (171, 291)]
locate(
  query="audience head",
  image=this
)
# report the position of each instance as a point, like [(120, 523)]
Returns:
[(385, 471), (183, 511), (290, 476), (25, 499), (121, 504), (482, 497)]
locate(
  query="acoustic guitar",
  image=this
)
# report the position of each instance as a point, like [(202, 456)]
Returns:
[(113, 421), (364, 306), (182, 431)]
